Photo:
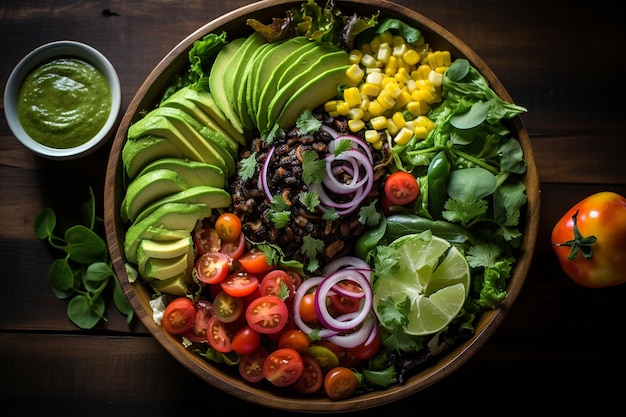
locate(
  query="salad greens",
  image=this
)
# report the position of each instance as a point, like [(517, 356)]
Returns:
[(84, 274)]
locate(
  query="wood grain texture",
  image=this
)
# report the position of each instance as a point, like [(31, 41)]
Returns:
[(557, 58)]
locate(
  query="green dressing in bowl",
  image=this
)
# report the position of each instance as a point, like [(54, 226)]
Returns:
[(64, 103)]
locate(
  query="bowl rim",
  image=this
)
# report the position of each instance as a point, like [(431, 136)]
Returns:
[(35, 58), (445, 364)]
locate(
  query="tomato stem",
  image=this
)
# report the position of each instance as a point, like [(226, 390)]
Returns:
[(580, 243)]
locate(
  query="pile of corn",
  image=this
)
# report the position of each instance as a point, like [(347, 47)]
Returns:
[(392, 77)]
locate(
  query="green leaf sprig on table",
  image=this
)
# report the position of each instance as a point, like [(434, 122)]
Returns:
[(84, 272)]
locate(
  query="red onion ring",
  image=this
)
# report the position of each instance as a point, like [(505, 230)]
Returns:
[(302, 290), (366, 332), (324, 316), (263, 175)]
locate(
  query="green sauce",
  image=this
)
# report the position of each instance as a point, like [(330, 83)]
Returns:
[(64, 103)]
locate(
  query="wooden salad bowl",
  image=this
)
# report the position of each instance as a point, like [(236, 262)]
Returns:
[(176, 62)]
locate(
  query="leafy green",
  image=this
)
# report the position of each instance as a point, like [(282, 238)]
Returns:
[(313, 168), (248, 167), (307, 123), (84, 274)]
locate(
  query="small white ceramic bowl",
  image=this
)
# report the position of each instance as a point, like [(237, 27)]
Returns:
[(37, 57)]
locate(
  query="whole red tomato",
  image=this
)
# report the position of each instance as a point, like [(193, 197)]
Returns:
[(590, 241)]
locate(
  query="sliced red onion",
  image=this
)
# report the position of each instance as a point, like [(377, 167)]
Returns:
[(351, 262), (263, 175), (332, 132), (360, 142), (324, 316), (366, 332), (302, 290)]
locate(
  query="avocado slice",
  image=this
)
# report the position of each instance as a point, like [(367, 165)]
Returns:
[(328, 62), (139, 152), (156, 268), (268, 91), (173, 216), (200, 120), (305, 62), (225, 141), (245, 92), (148, 188), (205, 103), (161, 126), (241, 67), (176, 286), (193, 172), (217, 86), (166, 250), (316, 92), (162, 234), (203, 194)]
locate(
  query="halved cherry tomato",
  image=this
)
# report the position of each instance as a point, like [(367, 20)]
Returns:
[(246, 340), (345, 304), (227, 308), (267, 314), (283, 367), (251, 366), (204, 312), (228, 227), (295, 339), (212, 268), (206, 240), (219, 336), (255, 262), (271, 284), (307, 308), (312, 377), (234, 249), (401, 188), (240, 284), (324, 356), (179, 316), (340, 383)]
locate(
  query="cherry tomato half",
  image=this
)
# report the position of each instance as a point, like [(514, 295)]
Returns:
[(271, 284), (340, 383), (267, 314), (312, 377), (307, 308), (295, 339), (227, 308), (204, 312), (240, 284), (401, 188), (345, 304), (206, 240), (234, 249), (283, 367), (219, 336), (212, 267), (255, 262), (228, 227), (251, 366), (179, 316)]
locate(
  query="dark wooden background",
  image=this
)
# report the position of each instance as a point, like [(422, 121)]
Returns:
[(561, 347)]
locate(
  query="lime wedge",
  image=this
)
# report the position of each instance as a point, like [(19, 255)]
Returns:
[(433, 274)]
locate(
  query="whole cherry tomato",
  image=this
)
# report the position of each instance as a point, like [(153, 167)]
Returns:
[(590, 241)]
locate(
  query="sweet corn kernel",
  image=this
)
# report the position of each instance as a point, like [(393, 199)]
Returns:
[(379, 122), (393, 89), (411, 57), (356, 125), (403, 137), (374, 108), (398, 119), (370, 89), (378, 145), (375, 44), (355, 114), (422, 94), (403, 99), (392, 66), (386, 37), (372, 136), (421, 73), (402, 76), (384, 53), (330, 105), (366, 49), (375, 78), (399, 49), (392, 128), (343, 108), (421, 132), (435, 78), (352, 96), (446, 58), (355, 56), (386, 100), (417, 108), (369, 61), (355, 74), (425, 121)]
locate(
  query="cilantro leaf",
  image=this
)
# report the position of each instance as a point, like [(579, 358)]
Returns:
[(248, 167), (313, 169), (368, 215), (307, 123), (310, 200)]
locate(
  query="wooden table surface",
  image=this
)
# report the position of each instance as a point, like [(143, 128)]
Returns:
[(561, 347)]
